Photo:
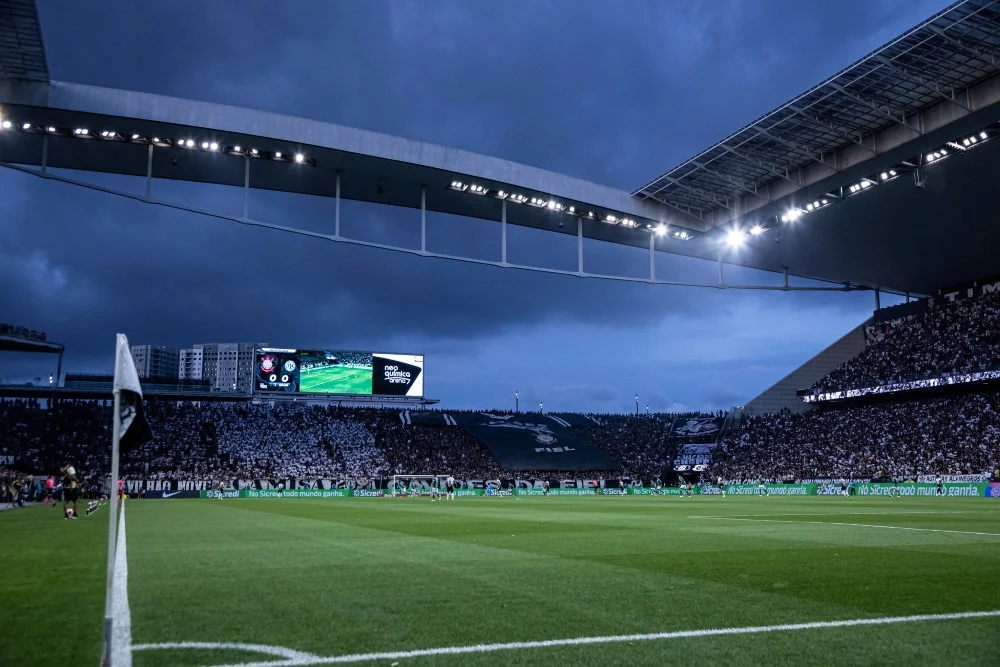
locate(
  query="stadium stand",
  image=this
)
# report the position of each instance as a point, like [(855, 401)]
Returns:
[(957, 434), (959, 337), (16, 331)]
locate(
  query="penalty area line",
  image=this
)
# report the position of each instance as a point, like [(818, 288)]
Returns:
[(613, 639)]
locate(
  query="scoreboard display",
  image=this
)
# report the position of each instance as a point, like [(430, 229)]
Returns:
[(338, 372)]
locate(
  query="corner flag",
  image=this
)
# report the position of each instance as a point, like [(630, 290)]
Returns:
[(134, 429), (129, 429)]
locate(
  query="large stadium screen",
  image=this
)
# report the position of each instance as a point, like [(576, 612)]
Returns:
[(339, 372)]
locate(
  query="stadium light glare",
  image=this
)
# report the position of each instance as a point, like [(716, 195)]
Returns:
[(26, 126), (756, 230), (300, 158), (204, 145), (51, 129), (213, 146), (571, 210), (254, 152), (792, 215), (660, 229), (734, 238), (237, 149), (5, 124), (277, 155), (810, 207)]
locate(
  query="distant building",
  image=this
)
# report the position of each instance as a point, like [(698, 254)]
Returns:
[(226, 366), (156, 361), (192, 362)]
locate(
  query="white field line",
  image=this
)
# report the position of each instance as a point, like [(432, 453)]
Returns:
[(121, 615), (875, 513), (858, 525), (613, 639), (279, 651)]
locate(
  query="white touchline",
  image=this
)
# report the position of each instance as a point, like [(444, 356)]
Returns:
[(121, 627), (877, 513), (613, 639), (860, 525)]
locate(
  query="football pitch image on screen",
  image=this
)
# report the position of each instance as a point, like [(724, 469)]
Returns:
[(336, 379)]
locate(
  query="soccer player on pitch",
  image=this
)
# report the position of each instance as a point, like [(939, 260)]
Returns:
[(71, 492), (434, 489), (449, 486)]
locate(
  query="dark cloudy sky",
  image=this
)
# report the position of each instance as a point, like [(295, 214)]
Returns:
[(614, 92)]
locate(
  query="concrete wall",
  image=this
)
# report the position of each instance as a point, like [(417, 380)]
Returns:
[(782, 393)]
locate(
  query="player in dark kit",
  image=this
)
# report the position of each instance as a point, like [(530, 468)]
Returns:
[(71, 491)]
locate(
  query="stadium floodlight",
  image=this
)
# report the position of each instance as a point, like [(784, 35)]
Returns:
[(554, 206), (51, 129), (300, 158), (26, 126), (983, 135), (824, 202), (204, 145), (5, 124), (865, 184), (571, 210), (610, 218), (135, 137), (277, 156), (756, 230), (734, 238), (660, 229), (213, 146), (518, 198), (682, 235), (500, 194), (237, 149), (794, 214), (459, 185), (81, 132), (254, 152), (477, 189), (809, 207)]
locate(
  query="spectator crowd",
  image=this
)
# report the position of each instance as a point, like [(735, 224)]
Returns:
[(943, 435), (954, 338), (281, 441), (18, 331)]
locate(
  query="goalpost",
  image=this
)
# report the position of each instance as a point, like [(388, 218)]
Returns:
[(396, 479)]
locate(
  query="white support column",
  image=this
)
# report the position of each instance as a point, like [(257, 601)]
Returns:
[(503, 232), (246, 187), (45, 153), (336, 211), (149, 172), (652, 257), (423, 218), (579, 245), (784, 271), (721, 278)]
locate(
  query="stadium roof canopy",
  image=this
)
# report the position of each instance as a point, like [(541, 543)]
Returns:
[(826, 180)]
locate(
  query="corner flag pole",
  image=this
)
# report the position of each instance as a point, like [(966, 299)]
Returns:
[(112, 516)]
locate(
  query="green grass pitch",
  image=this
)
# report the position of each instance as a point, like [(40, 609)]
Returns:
[(337, 380), (342, 576)]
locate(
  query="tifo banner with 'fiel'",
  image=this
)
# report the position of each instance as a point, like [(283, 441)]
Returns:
[(523, 441)]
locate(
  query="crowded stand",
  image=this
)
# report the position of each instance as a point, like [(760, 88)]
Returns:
[(16, 331), (948, 435), (357, 446), (953, 338)]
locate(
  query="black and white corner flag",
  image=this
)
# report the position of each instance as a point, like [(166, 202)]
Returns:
[(134, 428)]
